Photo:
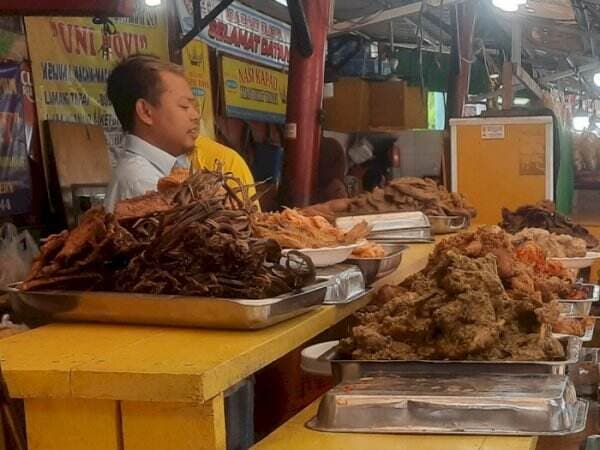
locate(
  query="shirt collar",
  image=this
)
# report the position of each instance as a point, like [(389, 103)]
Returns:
[(162, 160)]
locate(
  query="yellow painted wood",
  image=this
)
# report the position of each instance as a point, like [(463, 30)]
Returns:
[(174, 426), (134, 363), (73, 424), (489, 170), (294, 435)]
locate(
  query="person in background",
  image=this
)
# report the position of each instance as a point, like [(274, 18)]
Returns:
[(156, 108)]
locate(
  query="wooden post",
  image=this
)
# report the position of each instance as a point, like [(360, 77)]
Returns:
[(507, 85)]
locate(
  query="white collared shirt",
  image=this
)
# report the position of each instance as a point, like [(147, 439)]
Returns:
[(138, 170)]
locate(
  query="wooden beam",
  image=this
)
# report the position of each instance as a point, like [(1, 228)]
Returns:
[(384, 15), (507, 88), (527, 81)]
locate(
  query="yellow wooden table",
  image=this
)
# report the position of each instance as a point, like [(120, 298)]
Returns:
[(109, 387), (293, 435)]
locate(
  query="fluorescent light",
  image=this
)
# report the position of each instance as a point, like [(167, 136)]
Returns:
[(580, 122), (509, 5), (152, 2), (597, 79), (495, 76), (521, 101), (282, 2)]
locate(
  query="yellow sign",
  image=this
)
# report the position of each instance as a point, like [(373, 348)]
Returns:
[(254, 92), (197, 70), (70, 72)]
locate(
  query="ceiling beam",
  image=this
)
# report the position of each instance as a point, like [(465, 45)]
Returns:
[(384, 15)]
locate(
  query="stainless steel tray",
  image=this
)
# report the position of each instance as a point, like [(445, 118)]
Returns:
[(454, 404), (348, 369), (581, 307), (448, 224), (36, 308), (413, 235), (375, 268), (347, 283), (386, 221)]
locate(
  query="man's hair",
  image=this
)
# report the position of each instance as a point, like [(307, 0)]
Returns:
[(137, 76)]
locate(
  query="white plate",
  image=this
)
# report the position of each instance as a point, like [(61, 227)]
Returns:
[(578, 263), (328, 256)]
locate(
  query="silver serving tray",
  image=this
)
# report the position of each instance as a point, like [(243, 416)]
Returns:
[(581, 307), (36, 308), (375, 268), (448, 224), (454, 404), (347, 283), (386, 221), (348, 369), (413, 235)]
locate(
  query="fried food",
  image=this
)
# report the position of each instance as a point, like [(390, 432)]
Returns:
[(291, 229), (574, 326), (459, 311), (543, 215), (371, 250), (401, 194), (555, 245), (202, 244)]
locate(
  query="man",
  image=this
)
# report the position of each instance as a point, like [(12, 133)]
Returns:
[(156, 108)]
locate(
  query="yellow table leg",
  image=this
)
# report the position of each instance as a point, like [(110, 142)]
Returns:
[(174, 426), (58, 424)]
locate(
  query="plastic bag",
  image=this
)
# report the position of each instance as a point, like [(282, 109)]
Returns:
[(17, 251)]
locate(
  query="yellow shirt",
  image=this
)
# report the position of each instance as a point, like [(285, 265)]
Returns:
[(207, 152)]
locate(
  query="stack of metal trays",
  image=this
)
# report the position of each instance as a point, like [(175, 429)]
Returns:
[(453, 404), (403, 227), (581, 307)]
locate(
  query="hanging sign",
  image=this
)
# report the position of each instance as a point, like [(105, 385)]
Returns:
[(253, 92), (15, 176), (70, 72), (241, 31), (196, 65)]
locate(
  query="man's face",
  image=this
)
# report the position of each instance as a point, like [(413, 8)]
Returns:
[(175, 118)]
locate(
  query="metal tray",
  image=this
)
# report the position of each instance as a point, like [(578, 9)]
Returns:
[(348, 369), (347, 283), (581, 307), (448, 224), (36, 308), (454, 404), (375, 268), (386, 221), (413, 235)]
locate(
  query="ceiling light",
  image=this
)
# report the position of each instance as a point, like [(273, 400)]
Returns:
[(521, 101), (597, 79), (495, 76), (509, 5), (581, 121), (152, 2)]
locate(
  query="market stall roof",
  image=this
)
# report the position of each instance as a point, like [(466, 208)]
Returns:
[(561, 38)]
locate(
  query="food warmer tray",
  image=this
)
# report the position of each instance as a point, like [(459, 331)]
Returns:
[(408, 236), (587, 337), (344, 369), (375, 268), (347, 284), (584, 306), (386, 221), (448, 224), (36, 308), (454, 404)]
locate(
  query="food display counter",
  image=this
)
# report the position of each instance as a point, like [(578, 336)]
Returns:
[(106, 387)]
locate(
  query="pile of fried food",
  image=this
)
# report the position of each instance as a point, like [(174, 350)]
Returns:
[(479, 298), (401, 194), (292, 229), (555, 245), (543, 215), (192, 237)]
